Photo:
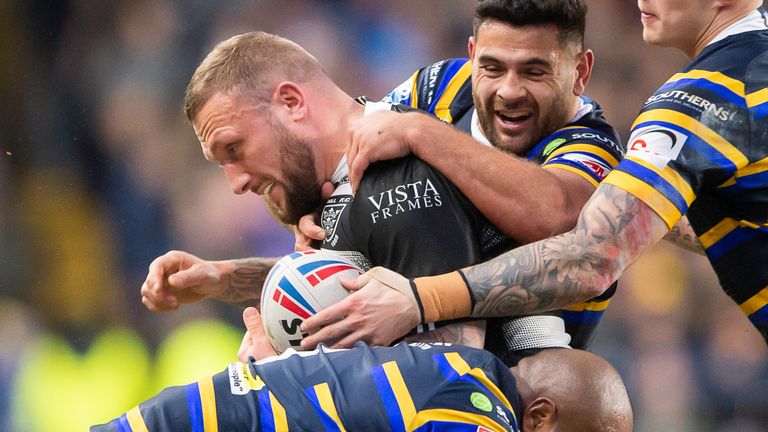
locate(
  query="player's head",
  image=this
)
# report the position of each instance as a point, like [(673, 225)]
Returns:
[(571, 390), (689, 24), (244, 101), (528, 68)]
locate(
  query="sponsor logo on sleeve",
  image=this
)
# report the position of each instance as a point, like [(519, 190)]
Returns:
[(399, 94), (481, 402), (598, 167), (656, 145), (241, 381)]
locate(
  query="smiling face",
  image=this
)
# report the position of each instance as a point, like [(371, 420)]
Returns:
[(675, 23), (259, 155), (524, 83)]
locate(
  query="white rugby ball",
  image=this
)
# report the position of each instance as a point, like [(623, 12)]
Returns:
[(298, 286)]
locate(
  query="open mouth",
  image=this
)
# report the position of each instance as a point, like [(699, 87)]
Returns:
[(513, 118), (266, 190)]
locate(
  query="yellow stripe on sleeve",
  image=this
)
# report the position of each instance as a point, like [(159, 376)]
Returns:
[(705, 133), (461, 366), (753, 168), (414, 92), (586, 148), (326, 403), (755, 303), (442, 107), (403, 396), (208, 404), (448, 415), (574, 170), (589, 306), (672, 177), (733, 85), (757, 98), (136, 420), (714, 234), (647, 194), (278, 413)]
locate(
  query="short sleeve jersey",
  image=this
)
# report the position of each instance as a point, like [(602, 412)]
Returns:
[(700, 147), (418, 387), (588, 146)]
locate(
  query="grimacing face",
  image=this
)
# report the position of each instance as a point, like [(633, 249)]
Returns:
[(259, 155), (522, 83)]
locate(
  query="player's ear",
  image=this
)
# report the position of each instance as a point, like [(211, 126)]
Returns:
[(584, 62), (540, 415), (471, 47), (290, 98)]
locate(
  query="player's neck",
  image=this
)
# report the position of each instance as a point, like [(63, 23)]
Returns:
[(335, 141), (724, 19)]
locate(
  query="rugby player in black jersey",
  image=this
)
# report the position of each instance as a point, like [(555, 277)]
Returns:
[(520, 92), (698, 148), (568, 145), (417, 387)]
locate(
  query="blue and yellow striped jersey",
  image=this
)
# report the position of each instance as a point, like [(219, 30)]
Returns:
[(588, 146), (416, 387), (700, 147)]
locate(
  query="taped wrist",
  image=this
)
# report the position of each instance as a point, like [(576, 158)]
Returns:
[(443, 297)]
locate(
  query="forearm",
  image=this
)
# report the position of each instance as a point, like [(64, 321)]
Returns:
[(614, 229), (525, 201), (682, 234), (244, 279)]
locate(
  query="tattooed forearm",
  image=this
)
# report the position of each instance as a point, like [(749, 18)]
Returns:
[(613, 230), (682, 235), (245, 282), (471, 333)]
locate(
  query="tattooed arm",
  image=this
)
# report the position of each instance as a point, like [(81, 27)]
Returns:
[(613, 230), (682, 235), (179, 277)]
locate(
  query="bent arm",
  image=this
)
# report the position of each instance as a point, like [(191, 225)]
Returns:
[(613, 230), (505, 188)]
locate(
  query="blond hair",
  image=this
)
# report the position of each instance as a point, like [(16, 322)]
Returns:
[(250, 63)]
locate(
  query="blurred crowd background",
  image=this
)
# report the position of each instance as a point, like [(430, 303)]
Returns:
[(99, 174)]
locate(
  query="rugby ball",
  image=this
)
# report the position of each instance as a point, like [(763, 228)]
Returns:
[(297, 287)]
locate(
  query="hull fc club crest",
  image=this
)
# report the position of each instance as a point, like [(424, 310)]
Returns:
[(330, 219)]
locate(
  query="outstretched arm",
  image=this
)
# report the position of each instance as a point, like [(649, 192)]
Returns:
[(505, 188), (179, 277), (613, 230)]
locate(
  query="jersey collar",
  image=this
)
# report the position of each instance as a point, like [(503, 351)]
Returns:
[(756, 20)]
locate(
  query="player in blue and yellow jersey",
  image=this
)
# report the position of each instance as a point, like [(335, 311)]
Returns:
[(416, 387), (521, 92), (698, 148), (587, 146)]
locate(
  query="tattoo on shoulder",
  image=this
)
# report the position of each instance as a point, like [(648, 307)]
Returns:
[(244, 285)]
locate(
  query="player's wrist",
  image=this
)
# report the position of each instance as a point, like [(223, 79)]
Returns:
[(413, 128), (443, 297), (223, 271)]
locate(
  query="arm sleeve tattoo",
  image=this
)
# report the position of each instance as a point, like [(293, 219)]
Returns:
[(613, 230), (245, 282), (682, 235)]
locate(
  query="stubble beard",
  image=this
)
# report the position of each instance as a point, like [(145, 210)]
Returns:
[(300, 185), (555, 118)]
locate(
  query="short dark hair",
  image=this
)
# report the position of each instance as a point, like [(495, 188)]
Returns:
[(569, 16)]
